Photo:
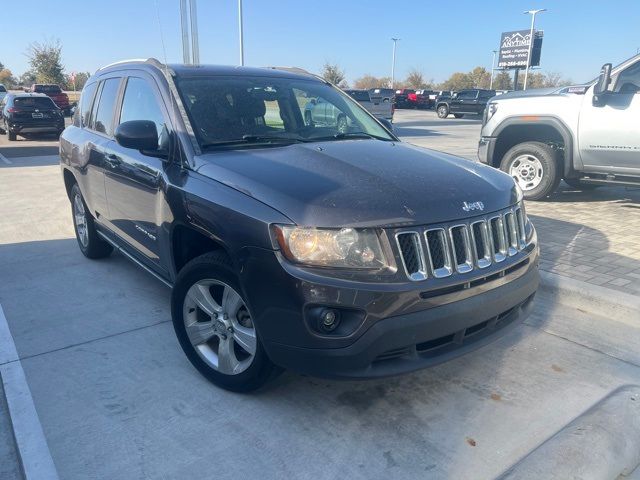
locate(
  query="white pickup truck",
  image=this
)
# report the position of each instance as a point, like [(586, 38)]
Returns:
[(587, 139)]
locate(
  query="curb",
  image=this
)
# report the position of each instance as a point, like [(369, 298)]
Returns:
[(31, 445), (594, 298), (602, 443)]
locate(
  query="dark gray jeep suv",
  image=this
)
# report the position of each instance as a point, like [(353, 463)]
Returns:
[(338, 252)]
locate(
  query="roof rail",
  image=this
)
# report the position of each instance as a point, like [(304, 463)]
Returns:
[(153, 61)]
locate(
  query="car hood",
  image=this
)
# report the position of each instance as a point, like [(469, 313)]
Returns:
[(360, 183)]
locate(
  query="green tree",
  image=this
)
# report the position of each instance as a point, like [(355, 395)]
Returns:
[(27, 78), (481, 77), (46, 62), (334, 74), (502, 81), (458, 81), (415, 79)]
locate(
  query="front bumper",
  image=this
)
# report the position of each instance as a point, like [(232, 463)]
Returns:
[(402, 329), (486, 147)]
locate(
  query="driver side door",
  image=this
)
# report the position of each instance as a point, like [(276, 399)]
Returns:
[(609, 135)]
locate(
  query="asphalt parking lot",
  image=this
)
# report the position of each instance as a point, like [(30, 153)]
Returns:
[(116, 397)]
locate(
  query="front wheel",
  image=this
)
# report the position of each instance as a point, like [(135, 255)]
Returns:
[(535, 168), (443, 111), (215, 327)]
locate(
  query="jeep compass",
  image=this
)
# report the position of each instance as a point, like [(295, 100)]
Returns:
[(328, 247)]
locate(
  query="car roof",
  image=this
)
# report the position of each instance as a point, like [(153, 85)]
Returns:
[(182, 70)]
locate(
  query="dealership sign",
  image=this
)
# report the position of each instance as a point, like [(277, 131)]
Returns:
[(514, 49)]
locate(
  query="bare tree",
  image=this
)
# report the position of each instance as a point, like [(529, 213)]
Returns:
[(415, 79), (368, 81), (334, 74)]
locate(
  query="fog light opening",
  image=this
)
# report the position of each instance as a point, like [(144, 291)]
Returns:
[(329, 319)]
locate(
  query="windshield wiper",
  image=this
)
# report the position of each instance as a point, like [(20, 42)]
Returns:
[(348, 135), (249, 139)]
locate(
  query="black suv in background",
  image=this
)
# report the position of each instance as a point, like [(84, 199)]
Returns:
[(464, 102), (332, 251), (30, 113)]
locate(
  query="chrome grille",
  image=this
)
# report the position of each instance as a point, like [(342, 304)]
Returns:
[(464, 247)]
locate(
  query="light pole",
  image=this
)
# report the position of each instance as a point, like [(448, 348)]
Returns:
[(533, 14), (241, 32), (393, 61), (493, 67)]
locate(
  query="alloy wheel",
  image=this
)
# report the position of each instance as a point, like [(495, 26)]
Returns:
[(80, 219), (219, 326)]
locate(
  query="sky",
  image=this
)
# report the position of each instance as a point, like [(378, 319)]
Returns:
[(438, 38)]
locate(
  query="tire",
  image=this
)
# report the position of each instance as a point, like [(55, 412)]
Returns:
[(205, 289), (458, 115), (443, 111), (535, 166), (90, 243), (575, 183), (11, 136), (341, 124)]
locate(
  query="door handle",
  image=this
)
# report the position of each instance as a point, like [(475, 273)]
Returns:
[(112, 160)]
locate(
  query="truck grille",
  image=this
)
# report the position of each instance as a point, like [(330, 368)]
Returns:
[(462, 247)]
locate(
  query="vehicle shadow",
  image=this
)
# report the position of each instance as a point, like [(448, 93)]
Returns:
[(29, 155), (626, 196)]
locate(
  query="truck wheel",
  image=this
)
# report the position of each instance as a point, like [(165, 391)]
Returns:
[(575, 183), (443, 111), (215, 328), (90, 243), (458, 115), (535, 168)]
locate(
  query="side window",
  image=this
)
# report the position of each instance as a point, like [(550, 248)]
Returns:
[(140, 103), (465, 95), (86, 100), (629, 80), (104, 113)]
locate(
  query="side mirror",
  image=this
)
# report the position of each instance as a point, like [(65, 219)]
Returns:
[(600, 88), (388, 125), (138, 135)]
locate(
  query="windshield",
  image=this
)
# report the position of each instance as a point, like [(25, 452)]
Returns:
[(240, 109)]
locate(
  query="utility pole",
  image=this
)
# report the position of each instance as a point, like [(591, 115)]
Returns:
[(241, 32), (189, 15), (393, 61), (493, 67), (533, 14)]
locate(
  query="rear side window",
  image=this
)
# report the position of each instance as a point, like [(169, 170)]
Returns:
[(104, 113), (34, 102), (2, 89), (360, 96), (88, 92)]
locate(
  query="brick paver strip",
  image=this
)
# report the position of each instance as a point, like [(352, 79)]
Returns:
[(593, 236)]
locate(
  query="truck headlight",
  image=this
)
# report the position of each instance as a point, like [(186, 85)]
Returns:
[(328, 247), (491, 109)]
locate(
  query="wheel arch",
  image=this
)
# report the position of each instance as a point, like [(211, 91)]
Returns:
[(534, 128), (69, 181), (189, 242)]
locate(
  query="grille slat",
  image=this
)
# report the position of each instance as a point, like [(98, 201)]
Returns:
[(464, 247)]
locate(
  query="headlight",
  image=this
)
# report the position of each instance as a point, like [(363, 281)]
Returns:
[(491, 109), (340, 248)]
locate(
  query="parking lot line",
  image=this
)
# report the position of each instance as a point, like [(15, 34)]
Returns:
[(33, 451), (5, 159)]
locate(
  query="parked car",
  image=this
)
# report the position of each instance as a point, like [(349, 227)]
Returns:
[(30, 113), (406, 98), (3, 92), (464, 102), (325, 250), (54, 92), (423, 99), (585, 137), (379, 107)]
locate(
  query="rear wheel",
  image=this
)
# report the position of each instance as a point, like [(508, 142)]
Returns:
[(458, 115), (535, 168), (443, 111), (11, 136), (215, 327), (90, 243)]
